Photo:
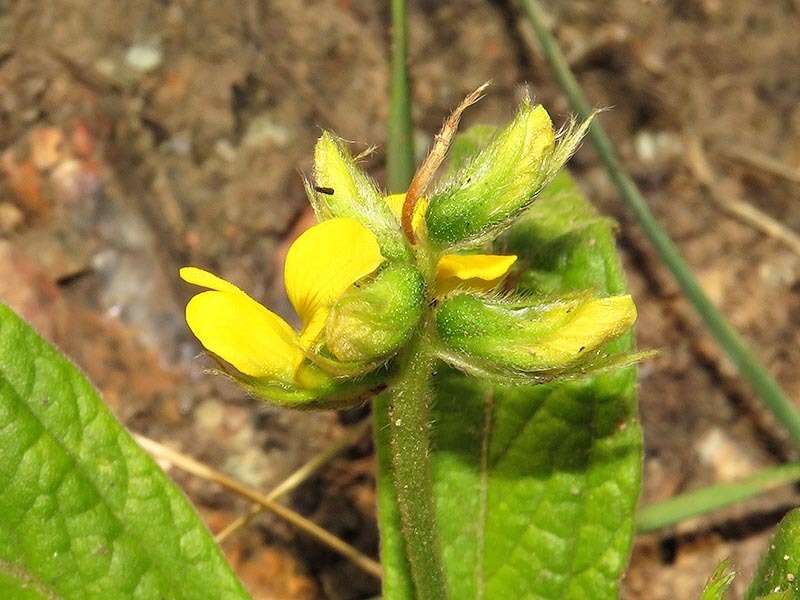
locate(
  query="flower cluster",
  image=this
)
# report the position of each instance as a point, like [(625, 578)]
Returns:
[(362, 288)]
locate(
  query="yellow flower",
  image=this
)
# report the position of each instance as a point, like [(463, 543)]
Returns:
[(473, 271), (321, 265)]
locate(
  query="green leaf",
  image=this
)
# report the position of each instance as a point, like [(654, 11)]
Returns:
[(779, 571), (84, 513), (536, 486), (719, 582)]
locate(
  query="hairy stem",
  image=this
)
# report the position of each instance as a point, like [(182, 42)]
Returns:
[(729, 340), (409, 425), (400, 146)]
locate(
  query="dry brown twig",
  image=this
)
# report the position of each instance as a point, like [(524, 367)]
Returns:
[(424, 175), (198, 469), (761, 161), (297, 477), (704, 173)]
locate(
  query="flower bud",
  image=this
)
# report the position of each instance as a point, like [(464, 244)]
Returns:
[(343, 190), (538, 339), (501, 180), (370, 322)]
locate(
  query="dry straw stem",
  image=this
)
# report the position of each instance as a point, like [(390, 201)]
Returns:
[(438, 152), (198, 469), (299, 476), (760, 161), (704, 173)]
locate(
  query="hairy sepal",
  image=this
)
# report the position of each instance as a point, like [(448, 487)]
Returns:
[(535, 340), (342, 189), (493, 188), (373, 320), (315, 389)]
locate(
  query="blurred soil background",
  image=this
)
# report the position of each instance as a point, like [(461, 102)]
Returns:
[(140, 136)]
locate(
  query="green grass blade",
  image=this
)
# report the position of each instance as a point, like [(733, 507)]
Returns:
[(400, 143), (747, 364), (714, 497), (720, 582)]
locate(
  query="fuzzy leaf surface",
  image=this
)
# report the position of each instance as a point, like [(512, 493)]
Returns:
[(536, 486), (779, 571), (85, 513)]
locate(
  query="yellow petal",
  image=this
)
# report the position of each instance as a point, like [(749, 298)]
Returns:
[(396, 201), (476, 271), (322, 264), (239, 330), (207, 280), (592, 324)]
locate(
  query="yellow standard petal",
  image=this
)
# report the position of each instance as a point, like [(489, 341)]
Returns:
[(476, 271), (322, 264), (396, 201), (239, 330)]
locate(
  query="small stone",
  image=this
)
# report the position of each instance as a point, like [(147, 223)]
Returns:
[(263, 129), (209, 415), (225, 150), (47, 145), (719, 451), (657, 146), (10, 217), (144, 57)]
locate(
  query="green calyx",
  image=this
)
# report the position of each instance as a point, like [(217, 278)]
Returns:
[(315, 389), (372, 321), (530, 338)]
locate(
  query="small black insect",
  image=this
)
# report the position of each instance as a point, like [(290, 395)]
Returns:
[(324, 190)]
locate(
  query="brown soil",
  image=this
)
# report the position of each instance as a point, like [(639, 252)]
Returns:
[(140, 136)]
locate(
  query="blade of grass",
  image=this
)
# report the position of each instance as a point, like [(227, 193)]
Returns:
[(400, 143), (714, 497), (745, 361)]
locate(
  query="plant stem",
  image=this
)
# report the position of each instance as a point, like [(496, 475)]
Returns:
[(708, 499), (404, 410), (746, 363), (400, 142), (409, 423)]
